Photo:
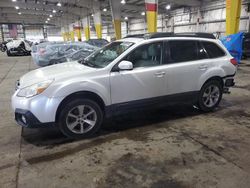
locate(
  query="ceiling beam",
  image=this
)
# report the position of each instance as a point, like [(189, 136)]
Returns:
[(193, 3)]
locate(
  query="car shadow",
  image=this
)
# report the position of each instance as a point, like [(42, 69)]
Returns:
[(52, 137)]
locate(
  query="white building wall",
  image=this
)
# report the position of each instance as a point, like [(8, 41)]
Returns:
[(213, 19)]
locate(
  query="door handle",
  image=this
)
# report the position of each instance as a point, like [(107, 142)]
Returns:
[(160, 74), (203, 67)]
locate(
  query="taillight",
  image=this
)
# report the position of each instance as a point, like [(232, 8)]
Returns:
[(42, 51), (234, 61)]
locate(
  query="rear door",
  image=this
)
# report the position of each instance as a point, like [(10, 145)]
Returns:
[(187, 62)]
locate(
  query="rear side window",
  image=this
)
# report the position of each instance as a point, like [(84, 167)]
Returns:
[(182, 50), (213, 49)]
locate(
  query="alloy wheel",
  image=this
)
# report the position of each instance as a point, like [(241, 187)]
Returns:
[(211, 95), (81, 119)]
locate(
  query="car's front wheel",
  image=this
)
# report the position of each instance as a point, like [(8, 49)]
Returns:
[(9, 53), (80, 118), (210, 95)]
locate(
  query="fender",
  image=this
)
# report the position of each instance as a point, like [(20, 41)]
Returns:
[(72, 86), (212, 72)]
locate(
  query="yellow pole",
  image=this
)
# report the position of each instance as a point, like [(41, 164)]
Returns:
[(118, 32), (68, 36), (87, 32), (151, 16), (98, 28), (233, 9), (78, 33), (72, 35), (64, 37)]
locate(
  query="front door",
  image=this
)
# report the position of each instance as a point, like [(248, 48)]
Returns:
[(145, 82)]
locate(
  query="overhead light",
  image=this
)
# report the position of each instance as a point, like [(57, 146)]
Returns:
[(123, 2), (168, 7), (92, 15), (59, 4), (19, 13), (51, 15), (48, 19), (16, 7), (126, 18), (104, 10), (143, 13), (13, 0), (54, 11)]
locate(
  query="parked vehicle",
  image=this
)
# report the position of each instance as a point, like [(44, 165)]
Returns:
[(123, 76), (53, 53), (3, 46), (246, 45), (18, 47), (97, 42), (75, 56)]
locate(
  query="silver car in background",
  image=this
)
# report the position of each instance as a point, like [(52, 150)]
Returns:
[(50, 53)]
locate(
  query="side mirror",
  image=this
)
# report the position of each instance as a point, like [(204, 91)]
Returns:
[(125, 65)]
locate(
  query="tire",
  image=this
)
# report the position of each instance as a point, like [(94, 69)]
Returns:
[(8, 53), (52, 62), (70, 117), (210, 95), (3, 49)]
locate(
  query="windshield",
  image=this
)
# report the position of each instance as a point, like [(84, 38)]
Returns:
[(106, 55)]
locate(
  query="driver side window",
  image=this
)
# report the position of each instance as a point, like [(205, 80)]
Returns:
[(146, 56)]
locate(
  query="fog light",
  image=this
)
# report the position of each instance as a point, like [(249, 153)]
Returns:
[(24, 119)]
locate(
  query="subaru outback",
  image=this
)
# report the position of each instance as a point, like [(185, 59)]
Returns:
[(125, 75)]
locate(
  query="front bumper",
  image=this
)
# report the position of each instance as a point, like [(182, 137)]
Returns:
[(38, 111), (26, 119)]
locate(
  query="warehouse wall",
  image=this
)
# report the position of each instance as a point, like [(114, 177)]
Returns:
[(11, 31), (108, 31), (54, 33), (212, 19), (1, 34), (34, 33)]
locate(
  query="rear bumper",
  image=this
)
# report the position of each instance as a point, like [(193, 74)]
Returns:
[(26, 119), (229, 80)]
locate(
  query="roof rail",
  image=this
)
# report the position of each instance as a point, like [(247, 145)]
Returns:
[(199, 35), (158, 35), (135, 36), (171, 34)]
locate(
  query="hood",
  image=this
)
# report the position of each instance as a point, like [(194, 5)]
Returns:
[(68, 69)]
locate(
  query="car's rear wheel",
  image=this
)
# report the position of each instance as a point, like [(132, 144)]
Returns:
[(80, 118), (210, 95)]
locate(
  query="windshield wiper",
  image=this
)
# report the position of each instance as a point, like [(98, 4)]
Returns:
[(85, 62)]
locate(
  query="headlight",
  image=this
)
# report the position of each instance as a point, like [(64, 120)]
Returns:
[(34, 89)]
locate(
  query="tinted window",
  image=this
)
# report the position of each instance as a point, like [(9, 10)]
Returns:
[(146, 55), (182, 50), (213, 50), (202, 54)]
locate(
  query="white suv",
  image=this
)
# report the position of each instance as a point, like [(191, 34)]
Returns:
[(125, 75)]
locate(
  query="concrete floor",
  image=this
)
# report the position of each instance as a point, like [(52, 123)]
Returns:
[(176, 147)]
